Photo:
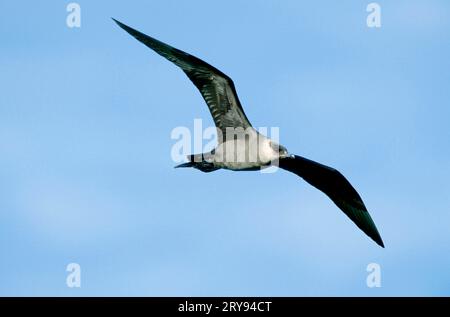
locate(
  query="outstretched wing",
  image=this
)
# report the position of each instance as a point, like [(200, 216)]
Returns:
[(335, 186), (216, 88)]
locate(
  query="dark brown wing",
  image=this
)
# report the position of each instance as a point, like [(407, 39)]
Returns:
[(216, 88), (337, 187)]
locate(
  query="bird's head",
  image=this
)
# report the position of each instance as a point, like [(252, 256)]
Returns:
[(278, 148)]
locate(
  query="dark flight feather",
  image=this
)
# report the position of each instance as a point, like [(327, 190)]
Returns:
[(331, 182)]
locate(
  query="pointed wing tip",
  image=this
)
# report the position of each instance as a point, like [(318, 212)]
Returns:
[(118, 22), (373, 234), (123, 26), (368, 227), (371, 230), (379, 241)]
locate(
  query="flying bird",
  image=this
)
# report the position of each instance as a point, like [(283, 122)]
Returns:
[(251, 150)]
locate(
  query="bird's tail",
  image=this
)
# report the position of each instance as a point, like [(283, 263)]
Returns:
[(198, 161)]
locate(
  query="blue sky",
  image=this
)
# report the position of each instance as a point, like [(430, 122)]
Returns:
[(86, 174)]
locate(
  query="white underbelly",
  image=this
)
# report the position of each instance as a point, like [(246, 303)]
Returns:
[(250, 153)]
